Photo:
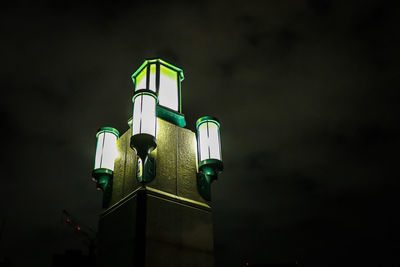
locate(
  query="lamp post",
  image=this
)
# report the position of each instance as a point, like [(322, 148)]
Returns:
[(157, 94), (144, 128), (209, 149), (164, 80), (156, 200), (106, 152)]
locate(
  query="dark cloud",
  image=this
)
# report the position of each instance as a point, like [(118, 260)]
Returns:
[(306, 92)]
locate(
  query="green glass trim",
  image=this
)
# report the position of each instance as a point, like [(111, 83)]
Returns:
[(130, 121), (160, 61), (207, 119), (180, 95), (134, 75), (171, 116), (97, 173), (108, 130), (215, 164), (144, 92)]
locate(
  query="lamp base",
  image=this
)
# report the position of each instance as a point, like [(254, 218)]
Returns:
[(213, 165), (209, 169), (103, 178), (151, 229), (143, 144)]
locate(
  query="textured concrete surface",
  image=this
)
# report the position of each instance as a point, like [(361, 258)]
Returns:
[(165, 222), (176, 164), (150, 229)]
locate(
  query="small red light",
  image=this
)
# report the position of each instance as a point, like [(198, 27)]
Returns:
[(68, 221), (247, 263), (297, 262), (78, 228)]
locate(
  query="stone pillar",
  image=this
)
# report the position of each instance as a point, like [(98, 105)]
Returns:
[(162, 223)]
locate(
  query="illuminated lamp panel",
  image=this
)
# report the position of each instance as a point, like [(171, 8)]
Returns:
[(209, 141), (144, 119), (141, 80), (106, 151), (168, 91)]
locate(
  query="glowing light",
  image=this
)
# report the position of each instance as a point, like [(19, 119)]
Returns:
[(144, 114), (209, 140), (106, 150), (152, 80), (168, 91), (161, 78), (141, 80)]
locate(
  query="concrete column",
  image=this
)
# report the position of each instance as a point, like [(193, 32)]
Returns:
[(162, 223)]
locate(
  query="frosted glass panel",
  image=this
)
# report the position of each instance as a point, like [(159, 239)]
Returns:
[(168, 91), (109, 151), (99, 151), (203, 141), (149, 115), (141, 80), (213, 141), (106, 151), (137, 106), (144, 115), (152, 81), (209, 141)]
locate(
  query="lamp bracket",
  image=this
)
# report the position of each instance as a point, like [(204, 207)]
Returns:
[(143, 144), (104, 182), (147, 171), (204, 184), (208, 172)]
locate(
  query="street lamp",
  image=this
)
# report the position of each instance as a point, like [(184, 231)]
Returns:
[(164, 80), (144, 127), (106, 152), (209, 154), (157, 94)]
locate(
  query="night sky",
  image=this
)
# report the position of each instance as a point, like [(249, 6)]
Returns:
[(306, 92)]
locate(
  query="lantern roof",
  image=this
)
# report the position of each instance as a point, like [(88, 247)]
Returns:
[(160, 61)]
